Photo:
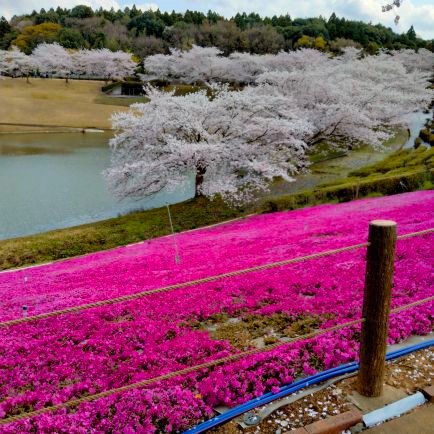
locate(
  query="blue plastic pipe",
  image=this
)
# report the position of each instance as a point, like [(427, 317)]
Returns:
[(296, 386)]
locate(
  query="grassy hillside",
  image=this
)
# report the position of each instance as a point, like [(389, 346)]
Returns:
[(47, 104)]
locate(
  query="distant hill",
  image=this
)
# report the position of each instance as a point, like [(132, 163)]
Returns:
[(151, 32)]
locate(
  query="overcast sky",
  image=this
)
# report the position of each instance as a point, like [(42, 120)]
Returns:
[(420, 13)]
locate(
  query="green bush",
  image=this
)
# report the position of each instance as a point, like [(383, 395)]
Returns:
[(424, 134), (346, 192), (182, 89), (110, 86), (159, 83)]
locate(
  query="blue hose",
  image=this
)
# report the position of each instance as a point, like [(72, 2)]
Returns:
[(295, 386)]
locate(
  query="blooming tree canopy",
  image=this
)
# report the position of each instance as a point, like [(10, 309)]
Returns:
[(56, 60), (423, 60), (391, 7), (15, 63), (104, 63), (234, 143), (53, 59), (193, 65), (354, 99), (208, 64)]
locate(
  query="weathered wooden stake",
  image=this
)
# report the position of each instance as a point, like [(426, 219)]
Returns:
[(376, 306)]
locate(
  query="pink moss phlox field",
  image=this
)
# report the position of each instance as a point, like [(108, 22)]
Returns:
[(51, 361)]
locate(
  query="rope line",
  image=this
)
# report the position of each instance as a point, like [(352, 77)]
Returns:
[(168, 288), (189, 370), (214, 278), (416, 234), (410, 305)]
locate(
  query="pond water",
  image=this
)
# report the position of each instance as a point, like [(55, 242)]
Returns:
[(416, 122), (51, 181)]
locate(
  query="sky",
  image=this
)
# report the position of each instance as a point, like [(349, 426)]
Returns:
[(419, 13)]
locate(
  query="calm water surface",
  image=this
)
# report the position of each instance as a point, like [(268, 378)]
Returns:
[(416, 122), (51, 181)]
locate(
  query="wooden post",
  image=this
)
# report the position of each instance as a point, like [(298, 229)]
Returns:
[(376, 306)]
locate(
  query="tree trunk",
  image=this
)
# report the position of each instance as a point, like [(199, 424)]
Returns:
[(200, 174)]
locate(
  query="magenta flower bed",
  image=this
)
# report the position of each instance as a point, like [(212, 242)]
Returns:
[(52, 361)]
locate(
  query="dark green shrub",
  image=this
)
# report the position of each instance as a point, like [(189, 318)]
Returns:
[(110, 86), (424, 134), (388, 185)]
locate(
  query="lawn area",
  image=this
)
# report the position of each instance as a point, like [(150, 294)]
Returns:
[(54, 103), (132, 341)]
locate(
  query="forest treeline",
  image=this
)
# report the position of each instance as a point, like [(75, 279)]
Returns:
[(151, 32)]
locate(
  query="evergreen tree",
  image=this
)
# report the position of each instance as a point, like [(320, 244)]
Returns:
[(411, 34)]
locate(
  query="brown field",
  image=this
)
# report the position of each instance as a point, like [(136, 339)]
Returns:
[(54, 105)]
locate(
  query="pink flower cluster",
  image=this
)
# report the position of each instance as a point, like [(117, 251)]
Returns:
[(51, 361)]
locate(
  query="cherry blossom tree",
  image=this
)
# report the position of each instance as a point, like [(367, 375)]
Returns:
[(57, 61), (53, 59), (237, 142), (422, 60), (354, 100), (302, 59), (103, 63), (16, 64), (234, 143), (395, 4), (208, 64), (196, 64)]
